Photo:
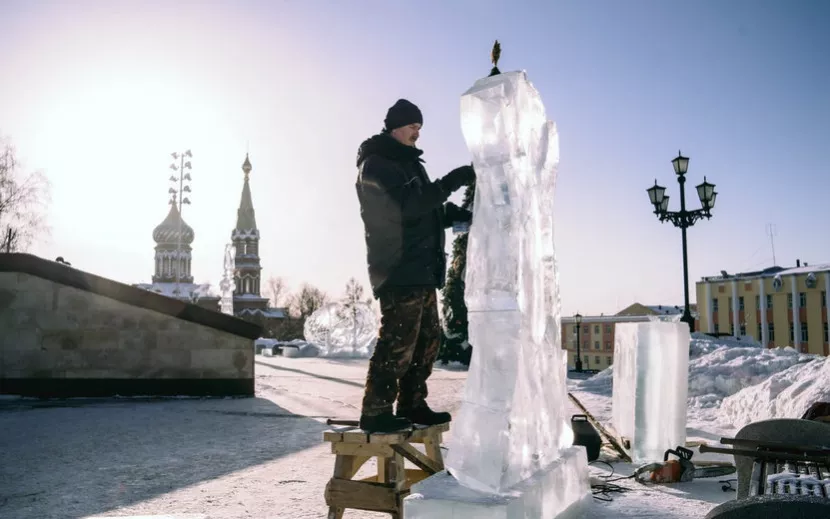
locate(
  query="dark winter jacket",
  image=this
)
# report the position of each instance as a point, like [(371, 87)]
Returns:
[(404, 215)]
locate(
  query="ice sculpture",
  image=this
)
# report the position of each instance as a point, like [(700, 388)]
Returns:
[(227, 285), (343, 330), (510, 454), (512, 419), (651, 381)]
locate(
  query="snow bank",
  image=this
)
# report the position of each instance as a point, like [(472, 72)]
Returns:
[(786, 394), (759, 378), (723, 371)]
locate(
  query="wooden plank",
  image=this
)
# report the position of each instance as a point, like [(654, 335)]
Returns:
[(377, 497), (613, 441), (414, 455), (332, 436), (390, 438), (383, 469), (432, 446), (346, 466), (400, 474), (362, 449), (423, 432), (412, 476)]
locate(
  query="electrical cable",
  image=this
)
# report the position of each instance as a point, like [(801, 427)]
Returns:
[(603, 491)]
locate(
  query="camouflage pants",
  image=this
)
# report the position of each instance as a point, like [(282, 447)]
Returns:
[(407, 346)]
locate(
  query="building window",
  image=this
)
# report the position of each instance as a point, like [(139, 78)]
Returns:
[(596, 345), (826, 338), (770, 332), (609, 360), (802, 300), (769, 301), (740, 302), (714, 304), (792, 333), (760, 332), (804, 336), (757, 302), (743, 329), (731, 328), (596, 329), (730, 304), (607, 328), (607, 345), (597, 360), (823, 299), (789, 300), (717, 328)]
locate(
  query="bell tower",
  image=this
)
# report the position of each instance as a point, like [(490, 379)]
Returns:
[(245, 238)]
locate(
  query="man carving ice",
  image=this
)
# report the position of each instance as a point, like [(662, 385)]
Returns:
[(404, 214)]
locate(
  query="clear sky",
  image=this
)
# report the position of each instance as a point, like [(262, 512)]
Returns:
[(96, 94)]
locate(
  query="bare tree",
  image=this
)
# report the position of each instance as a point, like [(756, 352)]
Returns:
[(23, 199), (277, 289), (354, 293), (307, 300)]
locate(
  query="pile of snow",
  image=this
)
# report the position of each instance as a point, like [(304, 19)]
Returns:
[(746, 381), (720, 368), (786, 394)]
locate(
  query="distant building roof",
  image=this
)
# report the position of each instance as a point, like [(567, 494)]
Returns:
[(594, 319), (640, 309), (767, 272)]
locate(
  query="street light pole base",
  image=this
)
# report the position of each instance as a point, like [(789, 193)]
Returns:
[(688, 319)]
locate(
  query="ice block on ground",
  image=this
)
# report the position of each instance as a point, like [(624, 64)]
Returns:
[(512, 421), (651, 381), (560, 491)]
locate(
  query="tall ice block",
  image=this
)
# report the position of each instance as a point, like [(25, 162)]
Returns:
[(651, 383), (512, 421)]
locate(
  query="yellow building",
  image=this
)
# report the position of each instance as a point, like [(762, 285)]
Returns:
[(776, 306), (596, 333)]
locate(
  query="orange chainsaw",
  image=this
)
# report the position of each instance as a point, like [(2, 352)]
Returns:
[(680, 470)]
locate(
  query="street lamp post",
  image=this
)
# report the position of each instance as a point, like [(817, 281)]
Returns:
[(177, 198), (683, 218), (578, 363)]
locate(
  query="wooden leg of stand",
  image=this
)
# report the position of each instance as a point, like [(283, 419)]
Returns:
[(432, 446), (345, 466)]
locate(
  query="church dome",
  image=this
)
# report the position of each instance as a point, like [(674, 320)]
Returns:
[(168, 231)]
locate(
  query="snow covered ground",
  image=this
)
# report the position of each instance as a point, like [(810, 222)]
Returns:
[(264, 457)]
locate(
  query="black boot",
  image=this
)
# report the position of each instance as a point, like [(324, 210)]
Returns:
[(384, 422), (423, 415)]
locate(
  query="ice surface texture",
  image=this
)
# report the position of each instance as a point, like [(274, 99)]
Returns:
[(651, 383), (560, 491), (512, 419), (342, 330)]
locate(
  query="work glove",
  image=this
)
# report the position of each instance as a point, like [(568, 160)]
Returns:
[(455, 214), (463, 176)]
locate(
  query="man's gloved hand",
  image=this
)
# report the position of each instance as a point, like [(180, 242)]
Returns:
[(455, 214), (463, 176)]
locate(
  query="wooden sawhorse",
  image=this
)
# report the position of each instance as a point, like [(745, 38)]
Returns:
[(385, 491)]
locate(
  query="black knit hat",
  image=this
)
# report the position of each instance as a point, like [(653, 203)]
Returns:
[(402, 113)]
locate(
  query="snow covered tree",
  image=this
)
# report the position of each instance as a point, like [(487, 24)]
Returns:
[(454, 343)]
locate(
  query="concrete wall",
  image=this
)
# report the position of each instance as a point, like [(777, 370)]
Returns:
[(62, 340)]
